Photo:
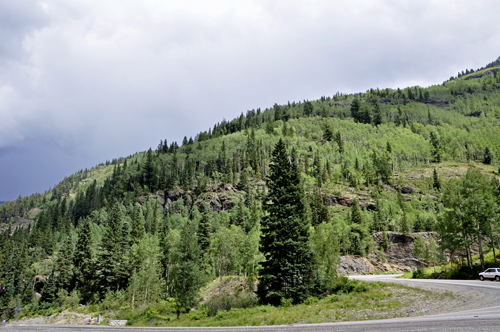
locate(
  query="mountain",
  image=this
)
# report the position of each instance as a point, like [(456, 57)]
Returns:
[(385, 161)]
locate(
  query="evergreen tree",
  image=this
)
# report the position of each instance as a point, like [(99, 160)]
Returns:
[(436, 183), (150, 172), (377, 112), (83, 265), (138, 229), (436, 148), (356, 217), (488, 156), (204, 241), (385, 241), (185, 274), (287, 272), (48, 298), (388, 147), (364, 115), (355, 110), (339, 141), (328, 134), (110, 265), (308, 108), (243, 184), (63, 264), (325, 113)]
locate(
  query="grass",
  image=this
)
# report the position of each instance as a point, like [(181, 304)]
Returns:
[(365, 301), (355, 300)]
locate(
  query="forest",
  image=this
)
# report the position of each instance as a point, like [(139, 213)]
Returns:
[(304, 183)]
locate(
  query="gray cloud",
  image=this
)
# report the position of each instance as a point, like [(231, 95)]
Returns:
[(86, 81)]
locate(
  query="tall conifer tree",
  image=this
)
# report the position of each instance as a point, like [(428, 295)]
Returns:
[(288, 269)]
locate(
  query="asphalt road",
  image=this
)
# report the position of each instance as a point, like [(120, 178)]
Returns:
[(486, 319)]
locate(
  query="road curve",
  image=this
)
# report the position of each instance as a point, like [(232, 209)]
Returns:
[(466, 283), (485, 319)]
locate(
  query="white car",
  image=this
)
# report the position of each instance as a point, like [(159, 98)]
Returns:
[(493, 273)]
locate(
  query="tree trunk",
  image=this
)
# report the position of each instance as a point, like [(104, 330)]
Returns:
[(479, 242)]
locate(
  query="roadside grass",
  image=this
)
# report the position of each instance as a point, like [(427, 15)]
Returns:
[(359, 301), (354, 300)]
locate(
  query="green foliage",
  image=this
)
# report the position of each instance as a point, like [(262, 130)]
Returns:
[(228, 302), (393, 138), (186, 277), (287, 271), (145, 285)]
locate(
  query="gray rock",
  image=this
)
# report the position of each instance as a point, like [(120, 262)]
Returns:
[(407, 190)]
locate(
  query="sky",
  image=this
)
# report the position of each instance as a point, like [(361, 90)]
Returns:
[(85, 81)]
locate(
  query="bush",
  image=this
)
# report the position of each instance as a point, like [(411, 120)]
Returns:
[(311, 300), (345, 285), (286, 303), (418, 274), (227, 302)]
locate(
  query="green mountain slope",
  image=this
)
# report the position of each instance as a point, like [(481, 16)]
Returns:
[(375, 162)]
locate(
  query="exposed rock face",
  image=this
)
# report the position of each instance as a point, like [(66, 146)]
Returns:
[(347, 201), (355, 265), (400, 251), (407, 190), (399, 257)]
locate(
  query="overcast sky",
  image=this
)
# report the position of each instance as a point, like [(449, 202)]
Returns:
[(83, 81)]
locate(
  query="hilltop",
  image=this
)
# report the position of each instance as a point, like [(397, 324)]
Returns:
[(382, 173)]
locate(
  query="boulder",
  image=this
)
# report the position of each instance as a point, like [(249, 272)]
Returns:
[(407, 190)]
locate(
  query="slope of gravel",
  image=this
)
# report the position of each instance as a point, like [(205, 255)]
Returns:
[(456, 298)]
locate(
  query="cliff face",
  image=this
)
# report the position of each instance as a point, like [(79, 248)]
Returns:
[(399, 256)]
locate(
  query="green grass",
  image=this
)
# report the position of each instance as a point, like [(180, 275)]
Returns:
[(365, 301)]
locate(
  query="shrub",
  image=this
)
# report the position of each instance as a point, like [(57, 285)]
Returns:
[(227, 302), (418, 274), (311, 300), (285, 303)]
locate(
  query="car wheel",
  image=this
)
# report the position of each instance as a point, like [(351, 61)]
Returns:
[(481, 278), (497, 278)]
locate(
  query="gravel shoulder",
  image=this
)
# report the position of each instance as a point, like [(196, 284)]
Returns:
[(455, 298)]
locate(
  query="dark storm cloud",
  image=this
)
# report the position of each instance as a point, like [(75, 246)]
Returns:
[(86, 81)]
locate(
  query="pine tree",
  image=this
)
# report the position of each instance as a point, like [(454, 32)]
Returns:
[(204, 241), (388, 147), (356, 212), (83, 265), (488, 156), (385, 241), (377, 113), (110, 265), (48, 298), (339, 141), (185, 274), (355, 110), (308, 108), (364, 115), (243, 184), (63, 264), (328, 134), (436, 183), (150, 172), (436, 148), (287, 272), (138, 229)]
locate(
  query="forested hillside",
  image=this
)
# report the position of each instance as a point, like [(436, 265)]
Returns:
[(163, 223)]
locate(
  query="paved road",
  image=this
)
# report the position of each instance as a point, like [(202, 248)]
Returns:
[(465, 283), (486, 319)]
